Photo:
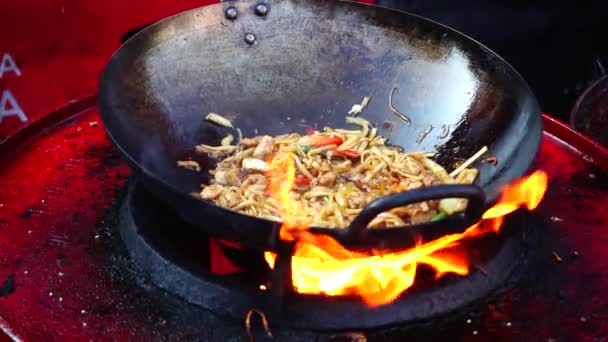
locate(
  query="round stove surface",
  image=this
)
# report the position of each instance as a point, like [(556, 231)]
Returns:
[(66, 273)]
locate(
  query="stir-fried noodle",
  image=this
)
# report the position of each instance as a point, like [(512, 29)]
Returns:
[(338, 172)]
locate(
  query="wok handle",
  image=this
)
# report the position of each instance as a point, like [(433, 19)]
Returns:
[(472, 213)]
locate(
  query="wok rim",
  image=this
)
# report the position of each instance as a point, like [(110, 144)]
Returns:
[(584, 98)]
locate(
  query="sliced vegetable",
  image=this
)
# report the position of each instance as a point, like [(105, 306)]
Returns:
[(227, 141), (467, 176), (302, 168), (439, 216), (318, 141), (218, 120), (322, 150), (301, 180), (366, 101), (357, 109), (437, 170), (350, 153), (305, 148), (452, 205)]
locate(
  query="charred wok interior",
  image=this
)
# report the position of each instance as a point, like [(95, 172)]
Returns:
[(302, 65)]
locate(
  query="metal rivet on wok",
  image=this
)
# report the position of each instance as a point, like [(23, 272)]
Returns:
[(261, 9), (250, 38), (231, 13)]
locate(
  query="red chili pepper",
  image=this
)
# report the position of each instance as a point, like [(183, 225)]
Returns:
[(301, 180), (350, 153), (318, 141)]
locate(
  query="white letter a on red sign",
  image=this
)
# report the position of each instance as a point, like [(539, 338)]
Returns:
[(8, 65), (10, 107)]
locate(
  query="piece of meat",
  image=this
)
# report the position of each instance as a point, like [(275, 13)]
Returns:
[(253, 164), (418, 212), (254, 179), (228, 177), (248, 142), (409, 184), (189, 165), (356, 200), (327, 179), (264, 148), (257, 179), (232, 199), (227, 164), (352, 177), (211, 192), (424, 206), (428, 178), (422, 216)]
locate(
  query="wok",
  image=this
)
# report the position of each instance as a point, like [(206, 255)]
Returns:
[(590, 113), (302, 64)]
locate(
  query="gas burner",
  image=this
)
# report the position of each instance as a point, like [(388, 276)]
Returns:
[(178, 258)]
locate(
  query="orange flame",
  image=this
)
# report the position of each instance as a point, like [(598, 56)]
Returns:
[(282, 174), (321, 265)]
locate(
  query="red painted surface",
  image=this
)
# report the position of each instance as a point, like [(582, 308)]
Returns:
[(593, 150), (61, 186), (57, 186), (61, 46)]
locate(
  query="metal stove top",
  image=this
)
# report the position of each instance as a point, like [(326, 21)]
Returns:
[(65, 274)]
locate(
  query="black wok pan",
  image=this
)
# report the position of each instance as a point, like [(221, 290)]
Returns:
[(303, 64)]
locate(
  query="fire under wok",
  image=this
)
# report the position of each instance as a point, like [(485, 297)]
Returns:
[(294, 65)]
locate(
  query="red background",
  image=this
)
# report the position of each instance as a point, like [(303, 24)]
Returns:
[(61, 46)]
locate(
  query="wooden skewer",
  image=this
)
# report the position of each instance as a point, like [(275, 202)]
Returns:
[(469, 161)]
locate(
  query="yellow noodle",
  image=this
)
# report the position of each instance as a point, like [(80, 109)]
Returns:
[(336, 187)]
